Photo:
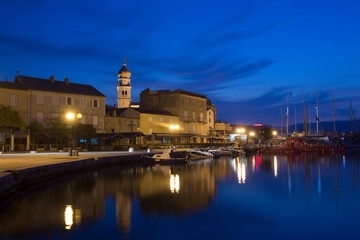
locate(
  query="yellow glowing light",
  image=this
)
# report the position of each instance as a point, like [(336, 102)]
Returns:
[(172, 127), (241, 172), (275, 166), (240, 130), (174, 183), (252, 134), (79, 115), (274, 133), (70, 116), (68, 217)]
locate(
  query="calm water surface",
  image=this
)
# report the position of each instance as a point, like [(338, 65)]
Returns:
[(259, 197)]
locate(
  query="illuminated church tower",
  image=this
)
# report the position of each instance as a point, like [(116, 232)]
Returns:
[(124, 88)]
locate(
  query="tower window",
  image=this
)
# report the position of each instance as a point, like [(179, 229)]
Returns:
[(125, 93)]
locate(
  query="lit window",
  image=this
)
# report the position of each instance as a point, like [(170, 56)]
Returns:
[(185, 114), (193, 115), (13, 100), (150, 131), (170, 120), (201, 117)]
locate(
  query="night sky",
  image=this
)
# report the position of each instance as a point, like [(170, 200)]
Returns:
[(244, 55)]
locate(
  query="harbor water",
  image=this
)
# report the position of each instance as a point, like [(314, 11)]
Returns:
[(305, 196)]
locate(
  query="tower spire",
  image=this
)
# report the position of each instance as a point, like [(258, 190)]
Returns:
[(124, 61)]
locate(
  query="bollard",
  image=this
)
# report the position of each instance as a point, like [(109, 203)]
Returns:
[(131, 149), (70, 153), (149, 150), (75, 153)]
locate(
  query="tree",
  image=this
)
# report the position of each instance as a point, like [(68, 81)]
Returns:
[(58, 130), (85, 131), (10, 119), (36, 129)]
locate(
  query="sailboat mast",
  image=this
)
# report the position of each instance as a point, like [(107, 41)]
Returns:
[(305, 122), (332, 101), (309, 121), (287, 115), (317, 113)]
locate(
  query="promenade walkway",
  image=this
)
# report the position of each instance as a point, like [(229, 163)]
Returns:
[(19, 161)]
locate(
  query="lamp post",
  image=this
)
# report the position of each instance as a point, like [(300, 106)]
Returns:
[(74, 117), (173, 128)]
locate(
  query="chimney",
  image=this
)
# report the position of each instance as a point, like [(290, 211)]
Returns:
[(52, 79), (66, 81)]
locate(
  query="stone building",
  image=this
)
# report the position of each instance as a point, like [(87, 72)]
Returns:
[(47, 99), (190, 107)]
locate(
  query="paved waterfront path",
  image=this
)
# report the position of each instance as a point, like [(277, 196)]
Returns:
[(19, 161)]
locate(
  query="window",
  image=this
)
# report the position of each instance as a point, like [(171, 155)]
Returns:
[(40, 117), (170, 120), (161, 119), (201, 104), (125, 93), (13, 100), (82, 102), (185, 114), (54, 115), (150, 131), (55, 100), (185, 101), (201, 117), (150, 119), (194, 128), (193, 115), (68, 101), (193, 103), (95, 103), (40, 99), (95, 120), (82, 120), (201, 128)]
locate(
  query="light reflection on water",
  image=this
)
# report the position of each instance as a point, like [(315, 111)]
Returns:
[(303, 196)]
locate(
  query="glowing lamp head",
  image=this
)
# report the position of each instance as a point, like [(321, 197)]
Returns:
[(274, 133), (70, 115), (240, 130), (79, 115), (252, 134)]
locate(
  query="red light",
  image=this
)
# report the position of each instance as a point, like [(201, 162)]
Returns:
[(258, 124)]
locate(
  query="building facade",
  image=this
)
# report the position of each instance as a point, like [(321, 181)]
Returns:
[(45, 100), (191, 108)]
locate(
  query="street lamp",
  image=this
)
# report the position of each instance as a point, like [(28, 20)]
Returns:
[(173, 128), (73, 117), (274, 133), (240, 130), (252, 134)]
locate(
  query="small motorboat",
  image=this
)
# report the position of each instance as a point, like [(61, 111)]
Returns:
[(169, 156), (197, 154)]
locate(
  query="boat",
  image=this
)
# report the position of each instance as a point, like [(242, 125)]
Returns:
[(168, 156), (351, 141), (198, 154)]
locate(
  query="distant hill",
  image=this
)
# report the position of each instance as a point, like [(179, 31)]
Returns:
[(341, 126)]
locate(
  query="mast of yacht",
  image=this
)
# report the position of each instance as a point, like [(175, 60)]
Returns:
[(317, 113), (309, 121), (287, 115), (332, 102), (305, 122)]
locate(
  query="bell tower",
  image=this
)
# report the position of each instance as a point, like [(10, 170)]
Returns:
[(124, 87)]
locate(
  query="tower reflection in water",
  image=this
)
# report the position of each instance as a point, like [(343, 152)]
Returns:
[(166, 190)]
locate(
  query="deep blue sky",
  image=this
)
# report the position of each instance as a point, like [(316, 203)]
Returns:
[(245, 55)]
